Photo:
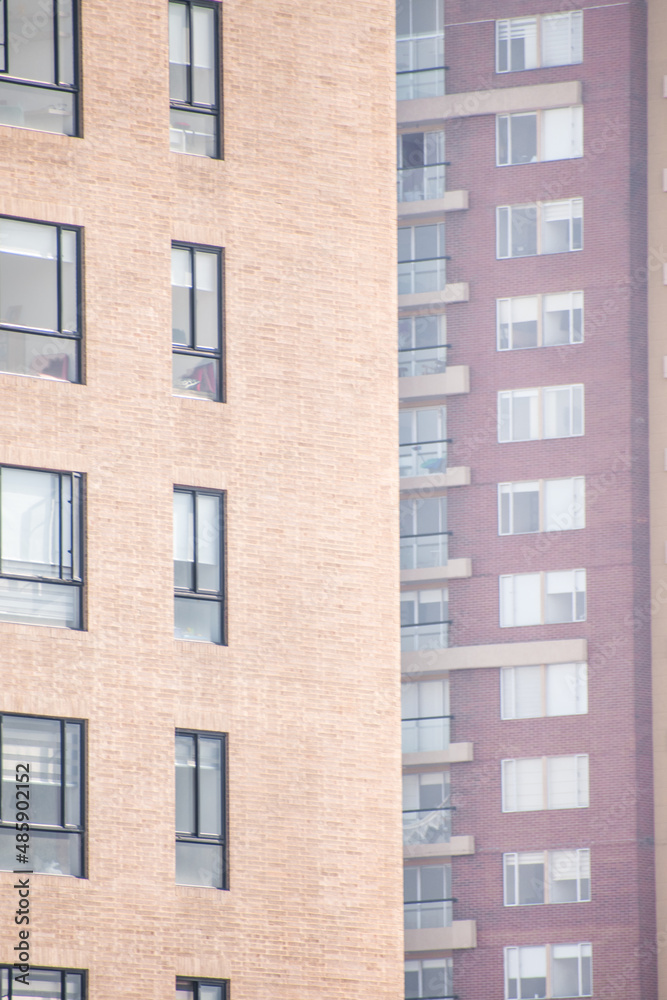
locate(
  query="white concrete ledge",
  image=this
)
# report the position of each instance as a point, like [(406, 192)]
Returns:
[(453, 201), (461, 934), (455, 569), (500, 100), (456, 292), (458, 475), (502, 654), (456, 753), (451, 382), (456, 847)]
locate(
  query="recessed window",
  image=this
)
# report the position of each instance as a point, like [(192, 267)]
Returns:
[(542, 228), (40, 547), (194, 87), (551, 970), (198, 565), (421, 259), (421, 345), (540, 320), (529, 137), (543, 505), (196, 320), (530, 42), (200, 809), (422, 435), (536, 877), (42, 984), (543, 598), (425, 715), (421, 166), (554, 411), (424, 534), (426, 809), (38, 71), (420, 49), (544, 690), (40, 325), (424, 619), (427, 896), (430, 977), (52, 750), (530, 784), (201, 989)]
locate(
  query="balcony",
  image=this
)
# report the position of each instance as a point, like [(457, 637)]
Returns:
[(434, 635), (417, 184), (460, 934), (425, 733), (424, 551), (430, 385), (424, 914), (418, 361), (423, 458), (427, 826)]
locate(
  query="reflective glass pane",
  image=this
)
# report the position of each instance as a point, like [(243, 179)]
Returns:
[(181, 284), (39, 356), (69, 292), (184, 540), (28, 274), (203, 51), (30, 26), (35, 742), (210, 786), (36, 108), (72, 774), (185, 784), (199, 864), (200, 621), (207, 992), (206, 305), (50, 852), (65, 42), (36, 603), (196, 376), (43, 984), (191, 132), (30, 522), (179, 52), (209, 568)]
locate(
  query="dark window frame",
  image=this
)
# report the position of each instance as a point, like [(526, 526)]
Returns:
[(185, 982), (214, 111), (79, 830), (221, 596), (57, 88), (223, 839), (197, 352), (77, 337), (78, 518)]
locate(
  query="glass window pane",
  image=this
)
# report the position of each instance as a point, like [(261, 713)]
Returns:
[(210, 786), (35, 742), (531, 880), (65, 42), (28, 274), (203, 50), (179, 52), (209, 567), (39, 356), (200, 621), (50, 852), (207, 992), (184, 540), (562, 782), (72, 774), (69, 291), (181, 284), (43, 984), (523, 131), (30, 522), (207, 305), (199, 864), (529, 782), (185, 784), (528, 692), (36, 108), (31, 49), (524, 231), (40, 603), (196, 376), (192, 132)]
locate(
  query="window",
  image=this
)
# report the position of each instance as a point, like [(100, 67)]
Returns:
[(38, 72), (421, 258), (420, 49), (201, 989), (40, 326), (426, 813), (424, 619), (424, 534), (427, 896), (545, 505), (544, 690), (540, 320), (193, 78), (42, 984), (421, 166), (531, 414), (198, 565), (543, 598), (40, 547), (422, 441), (430, 977), (545, 227), (533, 783), (553, 134), (196, 320), (200, 809), (425, 715), (529, 42), (421, 345), (53, 751), (552, 970), (547, 877)]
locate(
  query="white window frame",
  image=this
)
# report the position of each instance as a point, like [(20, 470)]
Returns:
[(541, 580), (578, 858), (510, 678), (576, 44), (572, 520), (513, 957), (544, 119), (543, 767), (572, 209), (541, 309), (538, 420)]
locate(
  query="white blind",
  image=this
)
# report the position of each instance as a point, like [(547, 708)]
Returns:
[(528, 682), (562, 133), (562, 39), (524, 308), (562, 689)]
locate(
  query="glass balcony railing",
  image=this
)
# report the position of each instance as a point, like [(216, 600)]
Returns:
[(424, 551), (422, 361), (425, 733), (423, 459), (411, 85), (427, 913), (435, 635), (421, 183), (418, 276), (427, 826)]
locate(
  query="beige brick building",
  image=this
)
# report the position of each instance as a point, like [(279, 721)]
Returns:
[(304, 903)]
